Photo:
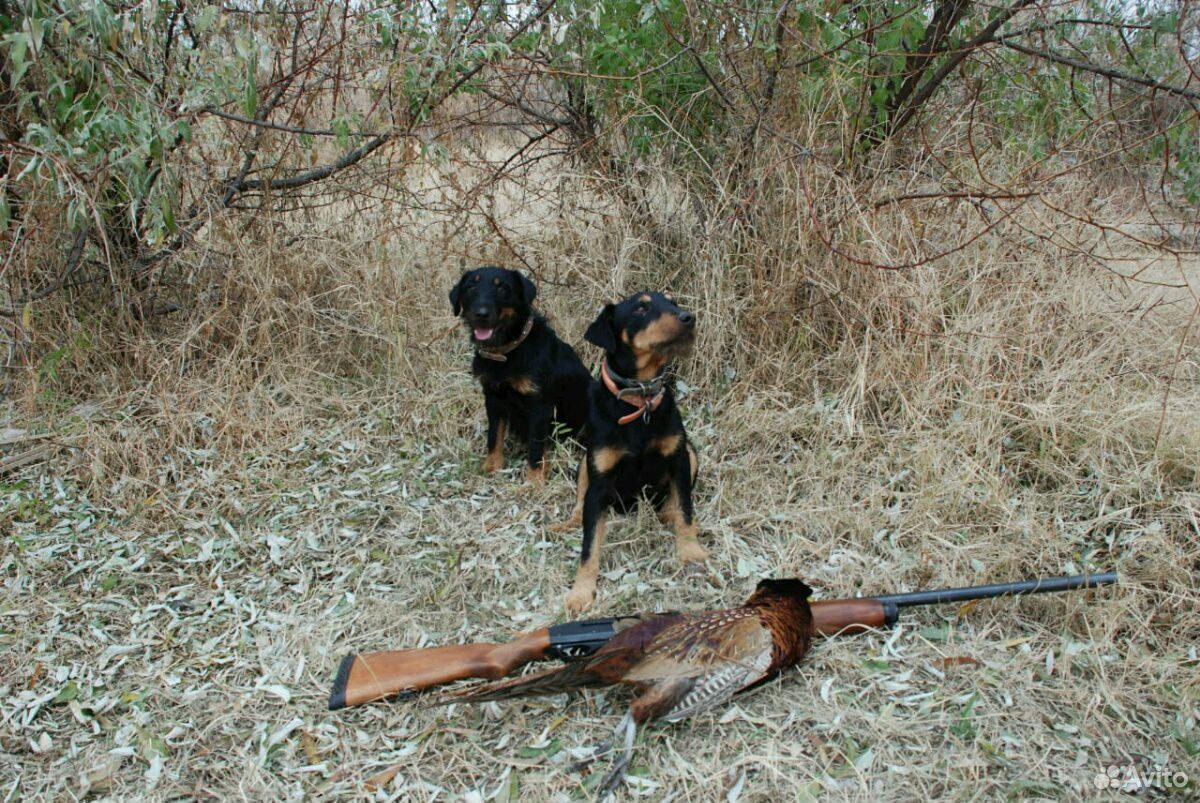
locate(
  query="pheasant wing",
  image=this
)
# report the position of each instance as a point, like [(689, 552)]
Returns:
[(605, 667), (703, 645)]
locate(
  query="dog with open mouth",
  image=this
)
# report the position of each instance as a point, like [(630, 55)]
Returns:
[(530, 378), (637, 445)]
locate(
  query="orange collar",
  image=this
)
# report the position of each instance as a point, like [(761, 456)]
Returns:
[(644, 403)]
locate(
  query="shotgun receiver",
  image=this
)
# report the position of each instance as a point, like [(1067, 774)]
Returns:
[(379, 675)]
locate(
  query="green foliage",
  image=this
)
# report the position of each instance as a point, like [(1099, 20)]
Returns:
[(95, 131), (1180, 148), (964, 725), (656, 72), (114, 103), (631, 52)]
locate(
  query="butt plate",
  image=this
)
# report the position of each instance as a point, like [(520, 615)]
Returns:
[(337, 697)]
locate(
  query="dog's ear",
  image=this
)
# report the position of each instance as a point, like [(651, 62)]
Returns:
[(528, 288), (602, 332), (456, 294)]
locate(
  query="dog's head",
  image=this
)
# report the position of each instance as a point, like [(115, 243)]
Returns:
[(645, 330), (493, 302)]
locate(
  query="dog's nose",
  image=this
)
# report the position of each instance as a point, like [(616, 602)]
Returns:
[(482, 311), (687, 318)]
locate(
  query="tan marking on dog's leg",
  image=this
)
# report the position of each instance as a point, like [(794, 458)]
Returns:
[(669, 511), (605, 458), (523, 385), (666, 445), (536, 475), (495, 458), (687, 545), (583, 593), (576, 519)]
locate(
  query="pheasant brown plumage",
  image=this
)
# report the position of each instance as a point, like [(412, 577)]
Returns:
[(680, 663)]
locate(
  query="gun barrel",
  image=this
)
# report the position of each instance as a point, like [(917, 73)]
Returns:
[(1040, 586)]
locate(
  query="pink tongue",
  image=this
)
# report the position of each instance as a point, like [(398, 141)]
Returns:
[(483, 334)]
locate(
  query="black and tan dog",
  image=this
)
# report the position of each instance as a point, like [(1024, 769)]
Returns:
[(636, 442), (530, 378)]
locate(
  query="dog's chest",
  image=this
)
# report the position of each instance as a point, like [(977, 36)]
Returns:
[(504, 383), (653, 453)]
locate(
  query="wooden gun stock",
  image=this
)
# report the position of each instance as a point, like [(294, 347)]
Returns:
[(377, 675)]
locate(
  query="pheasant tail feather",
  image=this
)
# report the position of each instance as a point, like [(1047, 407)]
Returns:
[(559, 680)]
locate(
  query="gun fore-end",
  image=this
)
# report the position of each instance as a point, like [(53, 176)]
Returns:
[(843, 617), (381, 675)]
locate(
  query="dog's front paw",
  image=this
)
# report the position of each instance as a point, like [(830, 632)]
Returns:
[(573, 523), (691, 553), (579, 599), (493, 462), (536, 475)]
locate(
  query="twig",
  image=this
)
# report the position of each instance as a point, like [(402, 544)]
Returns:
[(1107, 72), (291, 129), (356, 155), (985, 196), (35, 455), (951, 64), (69, 268), (1162, 416)]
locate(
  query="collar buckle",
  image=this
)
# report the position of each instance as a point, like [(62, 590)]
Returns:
[(644, 396)]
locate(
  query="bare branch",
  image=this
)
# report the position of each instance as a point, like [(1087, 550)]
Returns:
[(1107, 72), (290, 129), (356, 155), (957, 55), (68, 270)]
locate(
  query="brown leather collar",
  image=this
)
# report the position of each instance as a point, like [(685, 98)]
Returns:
[(646, 396), (497, 353)]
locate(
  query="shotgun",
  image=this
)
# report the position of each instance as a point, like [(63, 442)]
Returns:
[(380, 675)]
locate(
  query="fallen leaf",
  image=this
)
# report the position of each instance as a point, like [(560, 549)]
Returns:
[(382, 779), (38, 669), (735, 792), (311, 751), (956, 660), (548, 749), (100, 777), (282, 692)]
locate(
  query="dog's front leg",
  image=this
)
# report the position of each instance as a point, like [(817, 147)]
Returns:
[(495, 435), (679, 508), (595, 521), (581, 486), (600, 465), (540, 415)]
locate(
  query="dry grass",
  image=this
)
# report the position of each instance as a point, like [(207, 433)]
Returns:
[(292, 472)]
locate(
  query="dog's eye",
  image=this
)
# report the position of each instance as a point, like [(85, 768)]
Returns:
[(502, 291), (641, 308)]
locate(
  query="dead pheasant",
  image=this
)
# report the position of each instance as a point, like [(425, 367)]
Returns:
[(680, 663)]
